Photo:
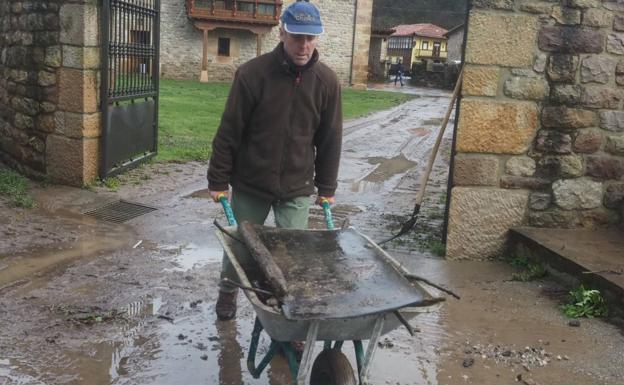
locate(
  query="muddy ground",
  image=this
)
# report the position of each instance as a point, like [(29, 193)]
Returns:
[(89, 302)]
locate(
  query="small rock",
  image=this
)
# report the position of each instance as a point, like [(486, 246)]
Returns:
[(468, 362), (566, 358), (213, 338), (204, 357), (181, 337), (506, 353), (574, 323)]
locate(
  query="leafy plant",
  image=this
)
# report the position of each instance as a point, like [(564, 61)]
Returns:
[(15, 187), (533, 271), (585, 303), (437, 248), (528, 270), (112, 183), (518, 261)]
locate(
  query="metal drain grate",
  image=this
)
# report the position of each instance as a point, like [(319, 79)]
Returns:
[(119, 211)]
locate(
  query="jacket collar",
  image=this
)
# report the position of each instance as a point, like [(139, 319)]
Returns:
[(288, 65)]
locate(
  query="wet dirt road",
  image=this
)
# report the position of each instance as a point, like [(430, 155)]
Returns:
[(87, 302)]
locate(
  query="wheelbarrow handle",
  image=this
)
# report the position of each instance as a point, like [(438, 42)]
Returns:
[(228, 209), (232, 220), (328, 214)]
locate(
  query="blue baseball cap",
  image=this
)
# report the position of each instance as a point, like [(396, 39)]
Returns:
[(302, 18)]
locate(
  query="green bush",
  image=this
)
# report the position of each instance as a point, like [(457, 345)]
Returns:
[(585, 303), (15, 187)]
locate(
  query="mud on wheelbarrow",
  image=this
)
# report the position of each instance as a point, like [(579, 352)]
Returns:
[(341, 287)]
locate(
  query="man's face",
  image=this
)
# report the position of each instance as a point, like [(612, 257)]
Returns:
[(299, 48)]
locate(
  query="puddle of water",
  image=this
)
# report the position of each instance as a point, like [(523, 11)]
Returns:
[(192, 256), (388, 168), (26, 265)]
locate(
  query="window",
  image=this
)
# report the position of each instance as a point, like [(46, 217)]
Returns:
[(224, 46), (266, 9), (400, 42), (242, 6), (203, 4), (425, 45)]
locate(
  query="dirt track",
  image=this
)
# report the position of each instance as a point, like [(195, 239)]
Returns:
[(86, 302)]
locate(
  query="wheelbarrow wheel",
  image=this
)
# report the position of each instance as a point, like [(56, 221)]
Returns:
[(331, 367)]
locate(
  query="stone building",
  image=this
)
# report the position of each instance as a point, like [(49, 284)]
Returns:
[(455, 43), (540, 137), (344, 46)]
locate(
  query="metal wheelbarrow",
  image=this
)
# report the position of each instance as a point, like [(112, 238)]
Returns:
[(341, 286)]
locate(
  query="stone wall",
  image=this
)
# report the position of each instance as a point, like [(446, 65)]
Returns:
[(540, 136), (29, 59), (454, 45), (49, 63), (181, 43)]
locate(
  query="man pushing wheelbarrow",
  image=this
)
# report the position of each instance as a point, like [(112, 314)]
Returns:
[(280, 135)]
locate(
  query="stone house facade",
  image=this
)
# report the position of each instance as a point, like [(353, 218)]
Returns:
[(344, 46), (540, 134), (455, 43)]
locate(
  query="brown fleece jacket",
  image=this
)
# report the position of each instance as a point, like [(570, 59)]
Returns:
[(281, 131)]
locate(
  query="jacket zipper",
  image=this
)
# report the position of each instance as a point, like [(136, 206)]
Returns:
[(297, 82)]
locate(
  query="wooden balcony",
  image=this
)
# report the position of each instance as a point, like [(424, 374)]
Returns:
[(263, 12), (429, 54)]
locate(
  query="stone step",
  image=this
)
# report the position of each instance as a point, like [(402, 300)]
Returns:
[(592, 257)]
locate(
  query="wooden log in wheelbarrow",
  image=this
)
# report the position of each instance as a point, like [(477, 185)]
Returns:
[(263, 257)]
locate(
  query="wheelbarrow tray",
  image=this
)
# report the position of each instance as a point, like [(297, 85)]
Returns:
[(340, 278)]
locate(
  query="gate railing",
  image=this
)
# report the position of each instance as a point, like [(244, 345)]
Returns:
[(130, 74)]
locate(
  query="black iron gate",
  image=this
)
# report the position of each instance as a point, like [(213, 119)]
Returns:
[(129, 91)]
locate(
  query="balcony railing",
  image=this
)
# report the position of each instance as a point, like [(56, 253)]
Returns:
[(428, 53), (249, 11)]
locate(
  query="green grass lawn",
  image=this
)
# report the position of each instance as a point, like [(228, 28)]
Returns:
[(189, 114)]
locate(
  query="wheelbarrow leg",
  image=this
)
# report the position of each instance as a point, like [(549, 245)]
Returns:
[(256, 371), (370, 349), (359, 356), (306, 359)]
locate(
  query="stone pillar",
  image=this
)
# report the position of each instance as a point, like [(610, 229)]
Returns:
[(361, 41), (540, 130), (203, 77), (73, 150)]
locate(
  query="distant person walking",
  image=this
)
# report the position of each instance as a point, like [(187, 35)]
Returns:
[(399, 74)]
